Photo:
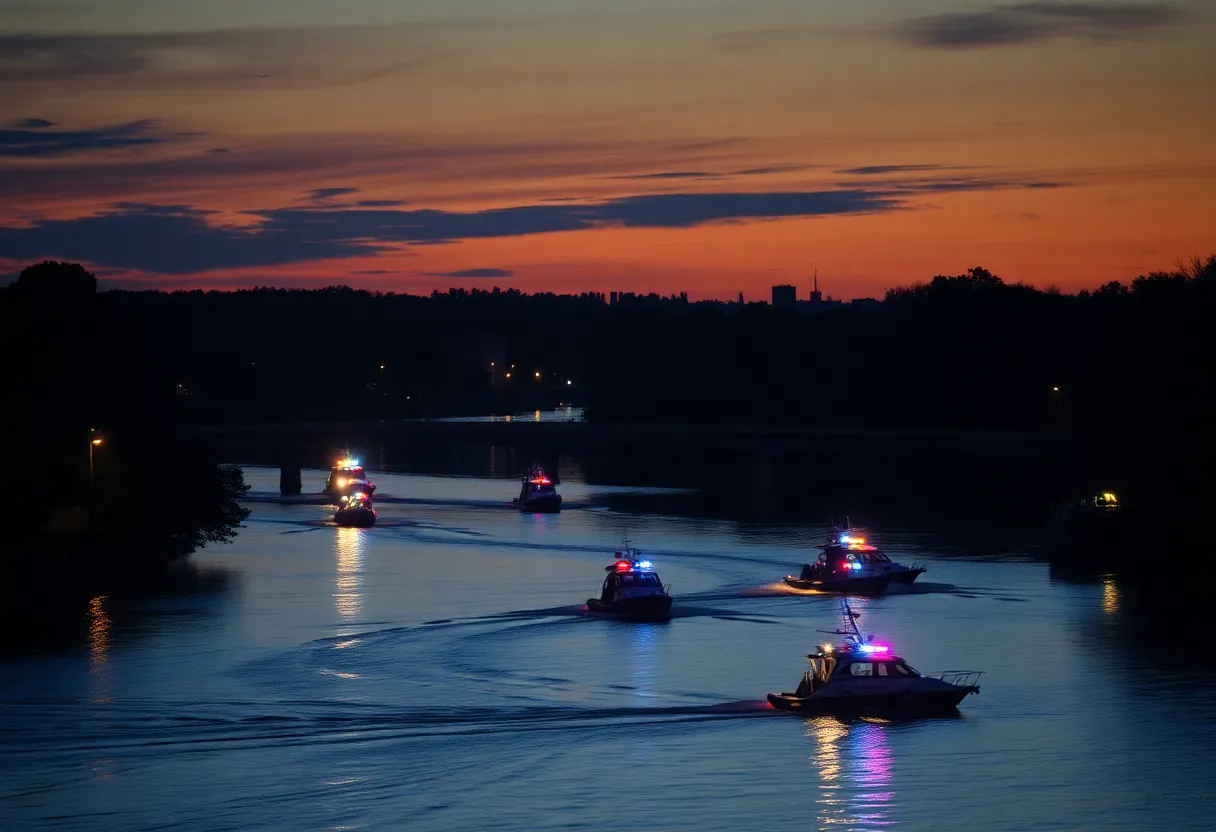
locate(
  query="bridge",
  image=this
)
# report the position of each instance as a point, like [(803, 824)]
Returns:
[(763, 444), (778, 438)]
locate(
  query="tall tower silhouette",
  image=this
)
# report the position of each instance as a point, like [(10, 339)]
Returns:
[(816, 297)]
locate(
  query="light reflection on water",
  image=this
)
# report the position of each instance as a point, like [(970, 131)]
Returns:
[(100, 626), (363, 677), (853, 761), (1110, 595), (348, 577)]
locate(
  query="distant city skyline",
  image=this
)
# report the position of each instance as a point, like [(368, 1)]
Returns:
[(606, 146)]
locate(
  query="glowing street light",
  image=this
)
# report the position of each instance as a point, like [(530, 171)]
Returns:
[(538, 373), (93, 443)]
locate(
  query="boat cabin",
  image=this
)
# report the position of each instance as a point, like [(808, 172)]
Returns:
[(537, 485), (353, 501), (867, 661), (630, 577)]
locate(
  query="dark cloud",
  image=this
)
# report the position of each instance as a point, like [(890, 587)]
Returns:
[(703, 174), (178, 239), (767, 170), (1037, 21), (218, 150), (380, 203), (32, 124), (254, 58), (322, 194), (674, 174), (40, 141), (875, 170), (167, 240), (472, 273)]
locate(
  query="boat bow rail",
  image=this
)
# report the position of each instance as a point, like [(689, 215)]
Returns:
[(962, 678)]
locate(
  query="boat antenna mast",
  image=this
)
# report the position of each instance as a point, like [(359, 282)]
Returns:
[(849, 628)]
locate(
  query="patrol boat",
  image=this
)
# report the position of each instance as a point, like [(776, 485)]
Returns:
[(860, 676), (632, 589), (355, 510), (347, 477), (538, 493)]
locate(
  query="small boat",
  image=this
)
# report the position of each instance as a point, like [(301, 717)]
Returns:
[(839, 569), (632, 589), (872, 561), (347, 477), (537, 493), (862, 677), (356, 510)]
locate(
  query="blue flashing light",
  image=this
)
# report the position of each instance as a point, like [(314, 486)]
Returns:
[(844, 538), (642, 564), (874, 648)]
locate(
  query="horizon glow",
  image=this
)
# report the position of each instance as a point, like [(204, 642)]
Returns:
[(599, 146)]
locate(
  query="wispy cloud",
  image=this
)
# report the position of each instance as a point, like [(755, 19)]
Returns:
[(254, 58), (706, 174), (471, 273), (1021, 23), (35, 138), (878, 170), (672, 174), (323, 194), (183, 240), (32, 124)]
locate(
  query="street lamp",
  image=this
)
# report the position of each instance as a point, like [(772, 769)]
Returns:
[(93, 443)]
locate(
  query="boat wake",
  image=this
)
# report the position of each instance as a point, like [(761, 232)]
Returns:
[(155, 728)]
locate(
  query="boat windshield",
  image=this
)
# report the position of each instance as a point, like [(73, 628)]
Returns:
[(640, 579), (896, 669)]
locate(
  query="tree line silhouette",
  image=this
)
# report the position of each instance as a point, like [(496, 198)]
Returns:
[(95, 472), (1126, 370)]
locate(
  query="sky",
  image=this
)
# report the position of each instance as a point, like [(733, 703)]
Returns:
[(706, 146)]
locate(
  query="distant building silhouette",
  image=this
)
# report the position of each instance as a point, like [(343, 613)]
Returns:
[(818, 304), (785, 296)]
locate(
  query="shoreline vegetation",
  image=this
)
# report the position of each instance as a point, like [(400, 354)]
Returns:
[(96, 472)]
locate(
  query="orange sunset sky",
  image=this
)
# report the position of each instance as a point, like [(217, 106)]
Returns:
[(711, 147)]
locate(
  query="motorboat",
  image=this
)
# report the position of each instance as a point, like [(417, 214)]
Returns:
[(857, 550), (355, 510), (632, 589), (347, 477), (838, 569), (863, 677), (537, 493)]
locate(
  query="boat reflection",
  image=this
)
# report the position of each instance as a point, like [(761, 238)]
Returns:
[(348, 580), (854, 763)]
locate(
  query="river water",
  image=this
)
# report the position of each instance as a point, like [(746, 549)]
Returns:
[(437, 672)]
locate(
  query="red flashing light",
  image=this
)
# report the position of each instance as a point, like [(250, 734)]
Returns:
[(623, 566)]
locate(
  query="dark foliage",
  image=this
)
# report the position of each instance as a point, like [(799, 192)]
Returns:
[(78, 368)]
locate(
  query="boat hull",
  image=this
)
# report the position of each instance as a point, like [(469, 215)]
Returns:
[(867, 585), (919, 702), (544, 505), (905, 577), (648, 608), (361, 518)]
